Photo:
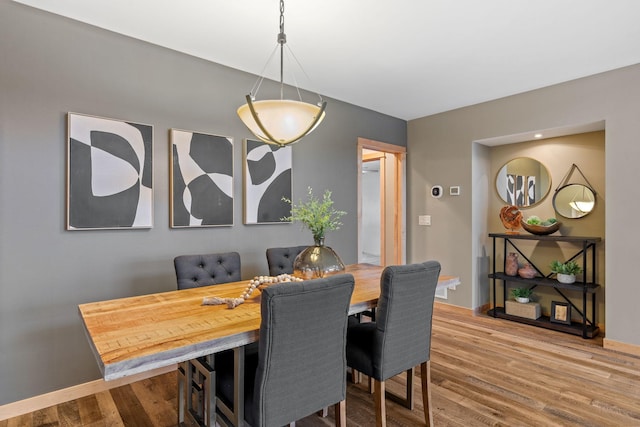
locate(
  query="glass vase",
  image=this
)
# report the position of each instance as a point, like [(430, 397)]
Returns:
[(317, 261)]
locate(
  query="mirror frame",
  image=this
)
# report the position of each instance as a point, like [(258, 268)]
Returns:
[(543, 194), (569, 211)]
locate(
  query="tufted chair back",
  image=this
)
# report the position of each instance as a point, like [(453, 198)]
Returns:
[(281, 260), (193, 271)]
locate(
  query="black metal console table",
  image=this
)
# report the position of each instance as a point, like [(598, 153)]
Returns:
[(587, 327)]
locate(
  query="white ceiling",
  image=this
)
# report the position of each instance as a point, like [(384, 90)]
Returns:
[(404, 58)]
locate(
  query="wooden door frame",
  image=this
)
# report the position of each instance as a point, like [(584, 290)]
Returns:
[(399, 155)]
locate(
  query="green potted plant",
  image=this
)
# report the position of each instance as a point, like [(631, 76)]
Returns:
[(319, 216), (522, 295), (565, 271)]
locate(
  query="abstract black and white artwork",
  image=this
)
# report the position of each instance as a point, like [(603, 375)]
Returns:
[(521, 190), (267, 179), (109, 173), (201, 179)]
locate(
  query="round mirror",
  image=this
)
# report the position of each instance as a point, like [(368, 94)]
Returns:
[(574, 200), (523, 182)]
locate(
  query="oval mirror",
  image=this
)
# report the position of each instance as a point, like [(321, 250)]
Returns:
[(523, 182), (574, 200)]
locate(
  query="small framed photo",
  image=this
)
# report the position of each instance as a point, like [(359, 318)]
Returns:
[(560, 312)]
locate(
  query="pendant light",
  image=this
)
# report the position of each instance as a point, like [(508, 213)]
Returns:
[(280, 121)]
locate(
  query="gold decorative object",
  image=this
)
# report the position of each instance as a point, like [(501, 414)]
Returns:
[(511, 218)]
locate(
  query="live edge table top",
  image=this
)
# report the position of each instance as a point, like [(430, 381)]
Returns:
[(137, 334)]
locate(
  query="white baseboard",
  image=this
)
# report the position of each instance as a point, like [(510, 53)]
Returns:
[(57, 397)]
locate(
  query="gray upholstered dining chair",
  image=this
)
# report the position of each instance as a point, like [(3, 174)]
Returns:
[(280, 260), (193, 271), (301, 366), (196, 377), (400, 338)]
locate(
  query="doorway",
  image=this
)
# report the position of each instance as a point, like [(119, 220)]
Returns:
[(381, 202)]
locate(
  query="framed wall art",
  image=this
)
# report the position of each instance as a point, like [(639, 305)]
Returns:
[(109, 173), (521, 190), (201, 174), (267, 179), (560, 312)]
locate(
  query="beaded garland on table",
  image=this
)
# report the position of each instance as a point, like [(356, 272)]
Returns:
[(254, 284)]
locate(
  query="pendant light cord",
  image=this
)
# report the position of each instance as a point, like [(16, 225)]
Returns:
[(282, 40)]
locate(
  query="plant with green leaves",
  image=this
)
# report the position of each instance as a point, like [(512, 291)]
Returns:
[(535, 220), (521, 292), (569, 267), (316, 214)]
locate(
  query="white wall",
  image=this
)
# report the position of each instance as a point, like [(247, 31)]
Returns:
[(371, 212)]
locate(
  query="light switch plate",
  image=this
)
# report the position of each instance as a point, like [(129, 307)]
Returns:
[(424, 219), (454, 191)]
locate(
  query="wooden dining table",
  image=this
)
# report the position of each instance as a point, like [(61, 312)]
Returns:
[(137, 334)]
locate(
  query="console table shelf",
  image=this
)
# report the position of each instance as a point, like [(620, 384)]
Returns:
[(545, 281), (587, 327), (575, 328)]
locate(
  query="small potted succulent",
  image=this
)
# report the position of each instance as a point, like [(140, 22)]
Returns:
[(522, 295), (565, 272)]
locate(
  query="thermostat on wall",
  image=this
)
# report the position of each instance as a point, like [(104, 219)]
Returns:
[(436, 191), (454, 191)]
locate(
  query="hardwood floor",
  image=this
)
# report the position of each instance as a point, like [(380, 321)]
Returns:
[(484, 371)]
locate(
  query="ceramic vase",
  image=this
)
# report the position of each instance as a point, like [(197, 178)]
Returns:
[(527, 272), (511, 264)]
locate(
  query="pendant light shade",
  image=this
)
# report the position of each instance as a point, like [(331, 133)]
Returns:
[(280, 121)]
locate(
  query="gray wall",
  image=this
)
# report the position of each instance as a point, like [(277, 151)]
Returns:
[(50, 66), (442, 151)]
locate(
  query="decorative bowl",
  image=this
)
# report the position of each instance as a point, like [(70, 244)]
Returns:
[(541, 230)]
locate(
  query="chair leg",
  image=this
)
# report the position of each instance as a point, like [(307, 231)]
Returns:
[(381, 411), (410, 392), (425, 373), (341, 413), (408, 399), (355, 376)]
